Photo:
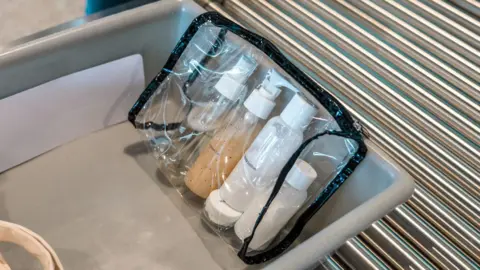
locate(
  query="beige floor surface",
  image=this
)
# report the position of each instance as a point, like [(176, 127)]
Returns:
[(19, 18)]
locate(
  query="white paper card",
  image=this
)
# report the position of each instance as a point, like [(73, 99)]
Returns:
[(49, 115)]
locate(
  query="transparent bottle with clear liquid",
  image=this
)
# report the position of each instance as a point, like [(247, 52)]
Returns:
[(208, 114)]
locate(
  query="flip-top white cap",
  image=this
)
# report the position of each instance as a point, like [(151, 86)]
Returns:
[(298, 112), (231, 83), (219, 212), (259, 105), (301, 175)]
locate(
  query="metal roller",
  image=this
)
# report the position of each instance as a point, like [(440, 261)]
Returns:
[(357, 255), (429, 240), (454, 28), (417, 71), (470, 6), (464, 84), (405, 12), (441, 51), (333, 263), (465, 236), (398, 252), (457, 14)]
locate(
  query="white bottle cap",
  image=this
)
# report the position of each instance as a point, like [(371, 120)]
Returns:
[(219, 212), (231, 83), (270, 92), (301, 175), (270, 87), (261, 101), (298, 113), (259, 105)]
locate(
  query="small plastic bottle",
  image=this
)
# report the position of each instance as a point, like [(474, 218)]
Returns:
[(266, 156), (209, 113), (206, 116), (226, 148), (288, 201)]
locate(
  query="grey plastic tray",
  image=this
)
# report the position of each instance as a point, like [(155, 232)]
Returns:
[(110, 209)]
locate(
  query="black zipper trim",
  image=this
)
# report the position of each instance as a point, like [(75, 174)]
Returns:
[(345, 121)]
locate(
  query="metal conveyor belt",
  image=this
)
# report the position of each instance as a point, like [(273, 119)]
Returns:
[(409, 70)]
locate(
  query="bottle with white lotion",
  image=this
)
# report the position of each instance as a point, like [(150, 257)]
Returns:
[(264, 159), (288, 201)]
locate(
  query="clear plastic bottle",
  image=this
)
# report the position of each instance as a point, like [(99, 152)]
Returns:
[(226, 148), (288, 201), (206, 116), (223, 152), (266, 156), (209, 113)]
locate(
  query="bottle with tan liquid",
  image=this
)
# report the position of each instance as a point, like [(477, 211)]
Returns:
[(227, 147), (209, 108)]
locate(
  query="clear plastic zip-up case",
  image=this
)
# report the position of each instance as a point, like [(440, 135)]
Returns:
[(251, 143)]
